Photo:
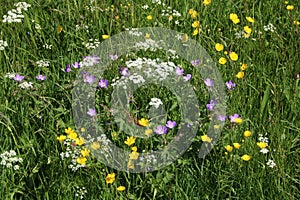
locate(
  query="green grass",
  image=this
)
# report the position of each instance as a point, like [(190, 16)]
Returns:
[(267, 98)]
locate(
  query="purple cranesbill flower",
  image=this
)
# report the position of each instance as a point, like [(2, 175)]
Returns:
[(187, 77), (113, 57), (76, 65), (212, 104), (91, 60), (91, 112), (68, 69), (124, 71), (161, 130), (171, 124), (18, 78), (40, 77), (230, 85), (179, 71), (90, 79), (208, 82), (222, 118), (195, 62), (233, 117), (103, 83)]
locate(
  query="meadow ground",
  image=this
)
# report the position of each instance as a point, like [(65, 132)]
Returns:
[(45, 44)]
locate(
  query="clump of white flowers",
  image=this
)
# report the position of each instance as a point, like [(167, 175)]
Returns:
[(3, 44), (92, 44), (9, 159), (15, 15), (42, 63), (269, 27)]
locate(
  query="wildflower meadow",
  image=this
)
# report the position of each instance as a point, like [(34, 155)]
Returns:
[(150, 99)]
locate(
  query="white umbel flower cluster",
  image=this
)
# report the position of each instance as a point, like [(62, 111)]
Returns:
[(3, 44), (15, 15), (9, 159)]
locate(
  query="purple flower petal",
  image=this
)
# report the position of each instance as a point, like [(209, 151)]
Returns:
[(212, 104), (233, 117), (161, 130), (195, 62), (171, 124), (124, 71), (90, 79), (222, 118), (40, 77), (103, 83), (179, 71), (76, 65), (230, 85), (18, 78), (187, 77), (68, 69), (91, 112), (113, 57), (208, 82)]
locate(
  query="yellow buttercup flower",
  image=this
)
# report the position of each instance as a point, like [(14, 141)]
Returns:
[(244, 66), (95, 145), (195, 32), (121, 188), (206, 2), (296, 23), (216, 126), (194, 14), (147, 35), (148, 132), (229, 148), (143, 122), (238, 120), (185, 37), (249, 19), (79, 141), (134, 155), (246, 157), (104, 37), (191, 11), (233, 56), (219, 47), (69, 130), (130, 164), (236, 145), (247, 29), (222, 60), (73, 135), (110, 178), (262, 145), (134, 148), (240, 75), (234, 18), (247, 133), (290, 7), (196, 24), (61, 138), (149, 17), (81, 160), (205, 138), (85, 152), (130, 140)]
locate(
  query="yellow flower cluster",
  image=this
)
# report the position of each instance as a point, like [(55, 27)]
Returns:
[(196, 23), (73, 135)]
